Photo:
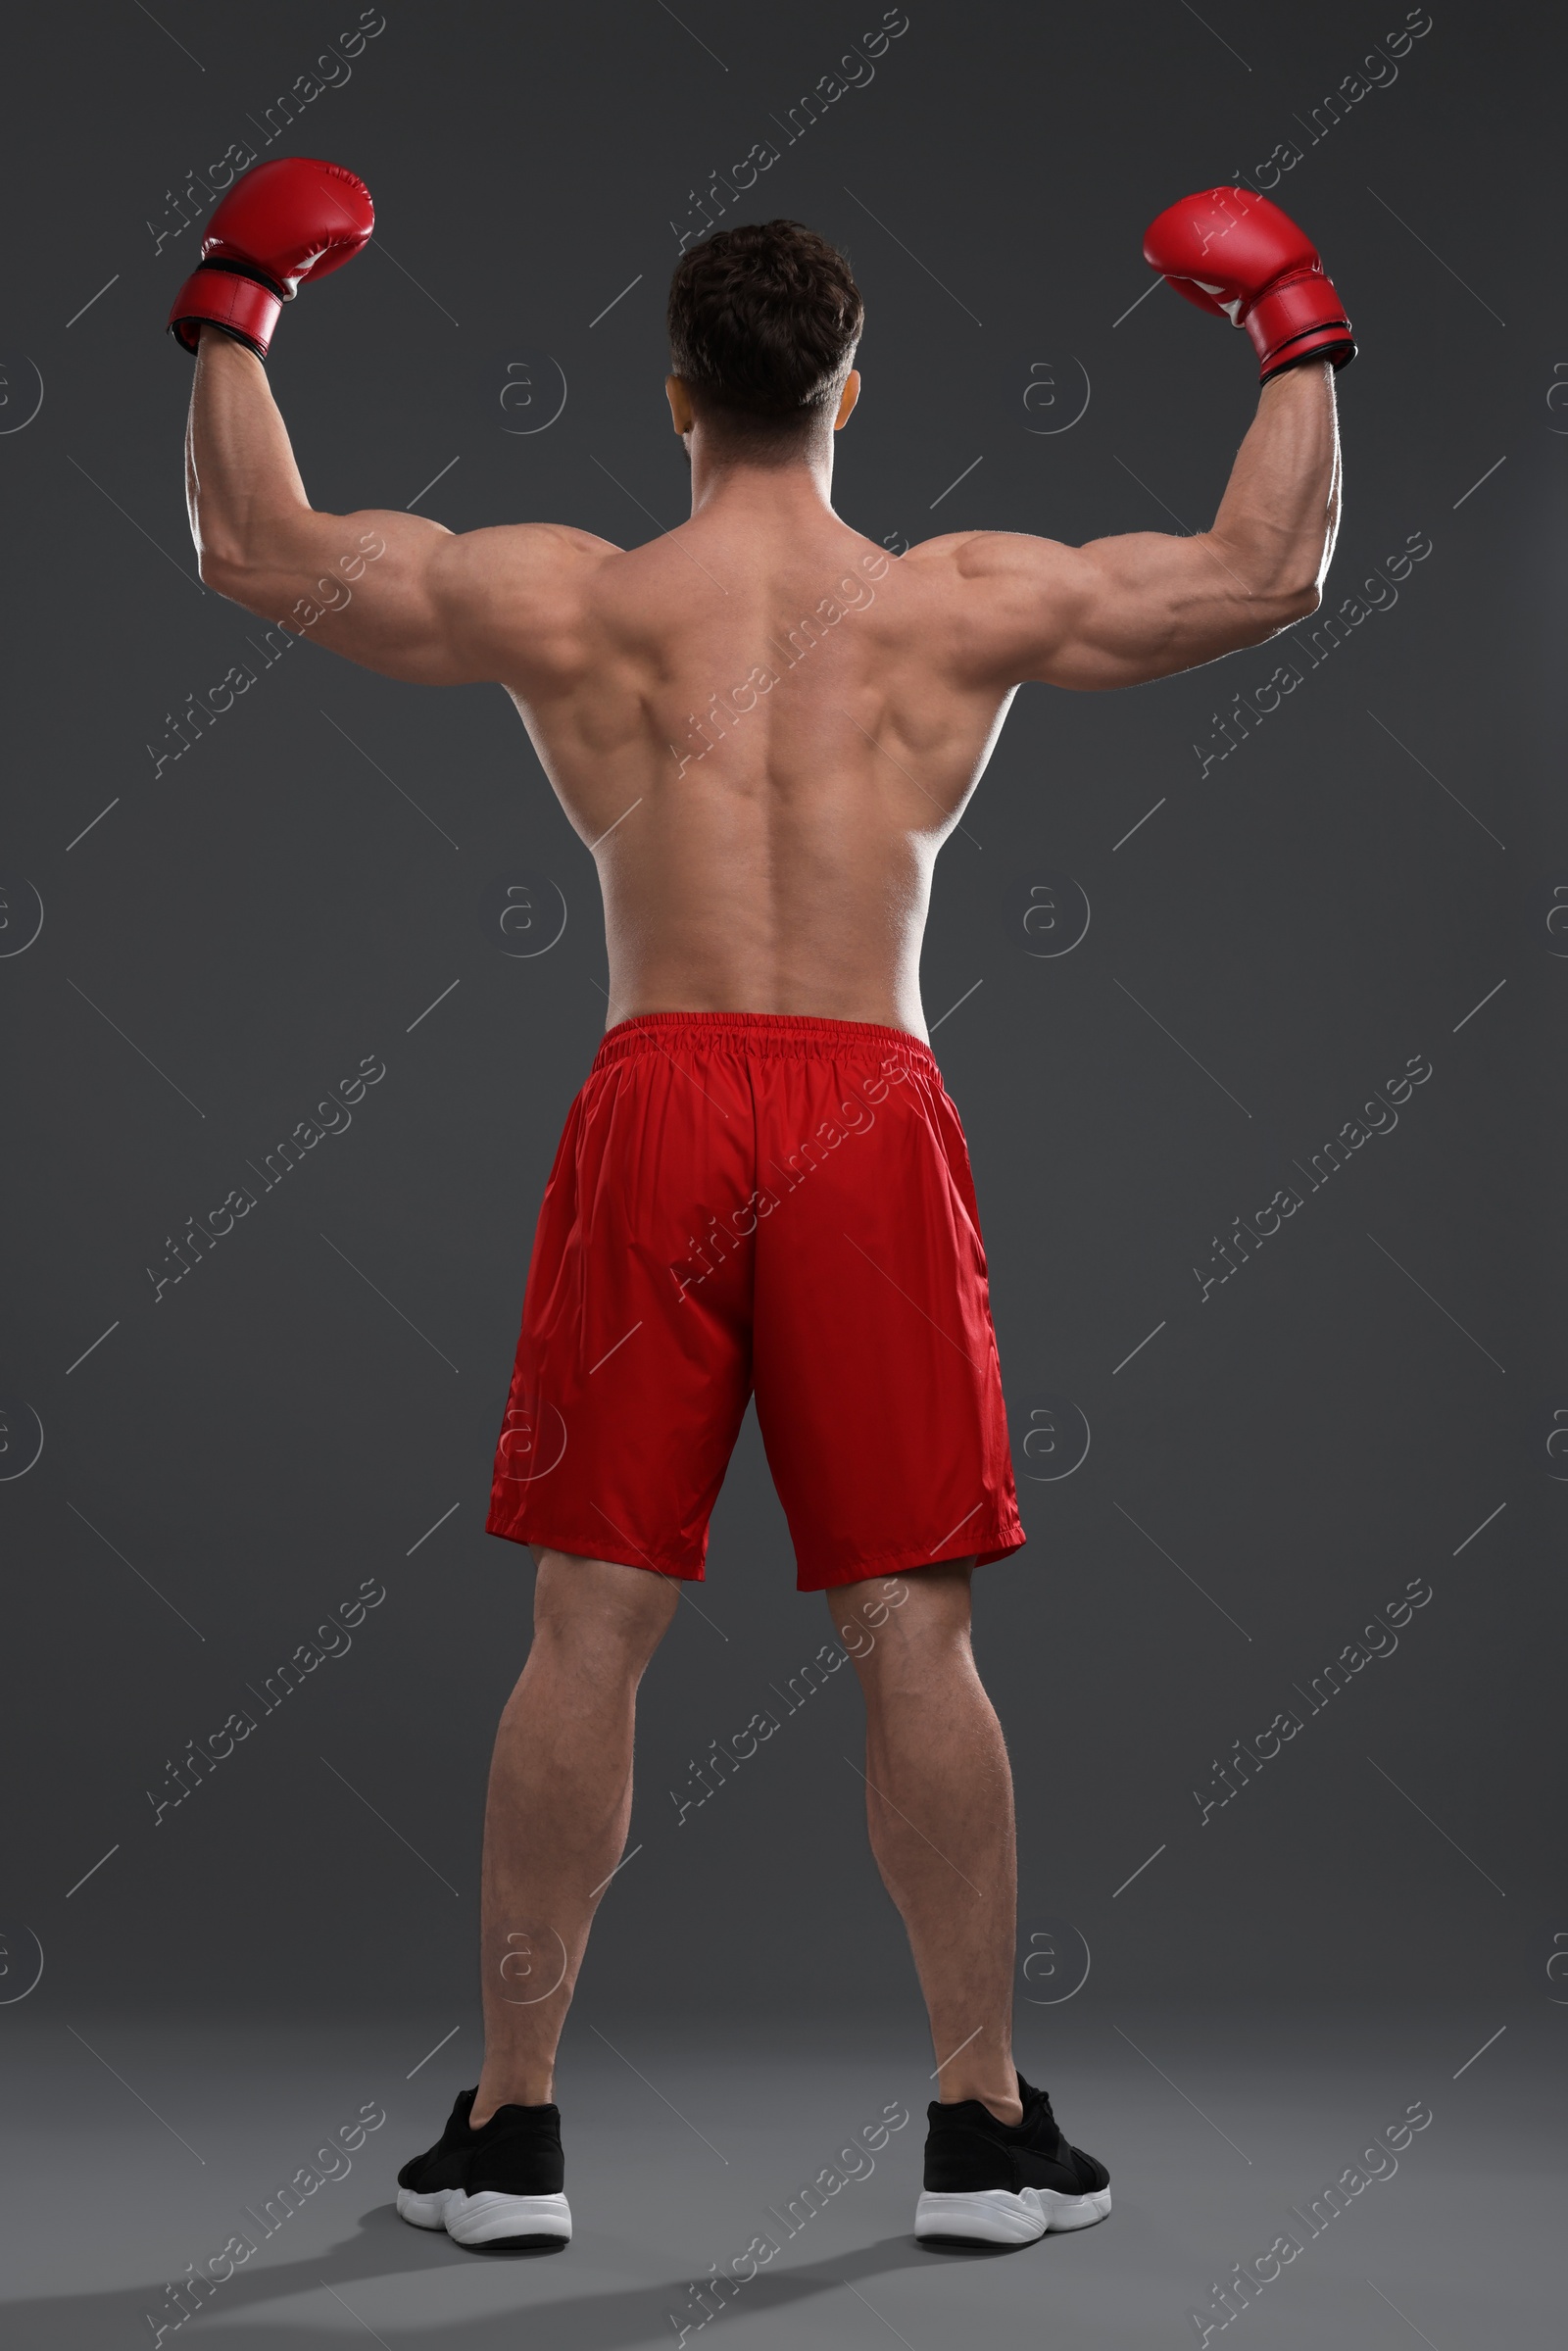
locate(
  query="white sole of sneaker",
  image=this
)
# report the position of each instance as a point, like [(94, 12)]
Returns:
[(489, 2218), (994, 2216)]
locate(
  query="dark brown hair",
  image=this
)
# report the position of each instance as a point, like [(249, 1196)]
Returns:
[(763, 321)]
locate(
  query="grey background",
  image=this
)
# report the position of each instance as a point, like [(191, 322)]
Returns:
[(320, 870)]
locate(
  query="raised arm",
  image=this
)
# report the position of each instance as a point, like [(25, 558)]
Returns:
[(1121, 610), (393, 591)]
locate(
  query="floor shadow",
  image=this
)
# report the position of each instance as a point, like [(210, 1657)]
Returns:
[(383, 2246)]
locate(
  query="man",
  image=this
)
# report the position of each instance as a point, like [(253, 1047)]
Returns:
[(763, 728)]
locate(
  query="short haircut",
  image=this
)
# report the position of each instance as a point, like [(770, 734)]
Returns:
[(763, 321)]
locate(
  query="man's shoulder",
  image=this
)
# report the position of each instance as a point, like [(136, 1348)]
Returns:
[(516, 596), (981, 554), (517, 570), (533, 545)]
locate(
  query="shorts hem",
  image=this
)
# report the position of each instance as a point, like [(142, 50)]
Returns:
[(590, 1546), (1000, 1544)]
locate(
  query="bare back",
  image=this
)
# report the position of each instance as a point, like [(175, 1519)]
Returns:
[(765, 735)]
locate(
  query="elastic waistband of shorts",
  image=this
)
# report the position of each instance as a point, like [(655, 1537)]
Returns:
[(765, 1034)]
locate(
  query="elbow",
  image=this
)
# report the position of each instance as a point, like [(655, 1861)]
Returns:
[(220, 566), (1283, 606), (228, 574)]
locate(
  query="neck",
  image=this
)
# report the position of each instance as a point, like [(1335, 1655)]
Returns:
[(723, 481)]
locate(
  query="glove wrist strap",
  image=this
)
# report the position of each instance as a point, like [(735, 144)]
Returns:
[(1298, 318), (241, 302)]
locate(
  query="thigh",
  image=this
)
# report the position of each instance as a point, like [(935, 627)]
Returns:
[(878, 1389)]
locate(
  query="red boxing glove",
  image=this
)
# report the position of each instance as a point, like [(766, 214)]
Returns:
[(286, 221), (1236, 255)]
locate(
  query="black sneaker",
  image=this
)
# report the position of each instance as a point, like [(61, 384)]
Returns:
[(499, 2187), (997, 2183)]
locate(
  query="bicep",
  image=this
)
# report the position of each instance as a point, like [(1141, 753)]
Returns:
[(1117, 611)]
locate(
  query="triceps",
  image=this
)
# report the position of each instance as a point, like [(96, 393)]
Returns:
[(331, 592)]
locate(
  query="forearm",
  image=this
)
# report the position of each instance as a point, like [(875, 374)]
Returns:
[(1276, 523), (242, 486)]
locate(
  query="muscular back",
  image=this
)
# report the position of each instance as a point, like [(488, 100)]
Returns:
[(765, 734)]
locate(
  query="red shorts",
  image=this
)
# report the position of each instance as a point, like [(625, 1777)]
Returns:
[(752, 1201)]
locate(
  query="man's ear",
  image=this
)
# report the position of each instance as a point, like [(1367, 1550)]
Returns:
[(680, 405), (846, 399)]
